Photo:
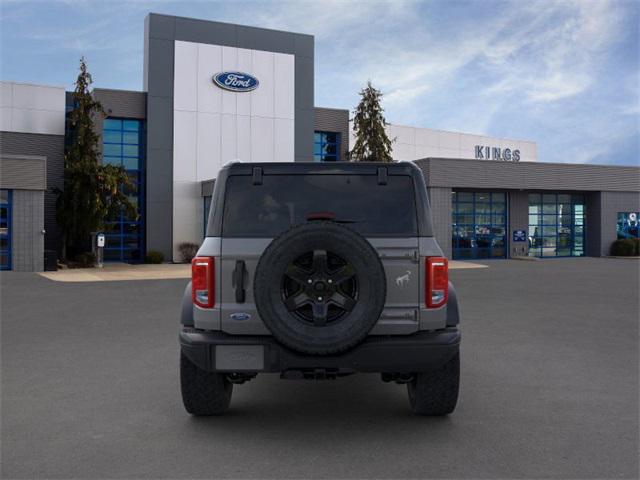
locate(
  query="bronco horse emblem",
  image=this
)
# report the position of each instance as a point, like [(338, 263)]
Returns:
[(402, 280)]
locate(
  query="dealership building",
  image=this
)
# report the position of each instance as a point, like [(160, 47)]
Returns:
[(216, 92)]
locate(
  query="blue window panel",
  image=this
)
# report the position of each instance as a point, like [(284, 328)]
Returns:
[(112, 124), (111, 136), (130, 151), (131, 125), (112, 149), (479, 225), (326, 146), (130, 163), (123, 146), (131, 138)]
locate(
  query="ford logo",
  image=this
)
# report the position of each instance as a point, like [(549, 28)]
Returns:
[(236, 81), (240, 316)]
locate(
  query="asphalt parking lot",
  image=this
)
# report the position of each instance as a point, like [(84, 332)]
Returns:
[(549, 388)]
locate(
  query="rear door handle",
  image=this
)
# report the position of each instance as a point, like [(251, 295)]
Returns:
[(238, 281)]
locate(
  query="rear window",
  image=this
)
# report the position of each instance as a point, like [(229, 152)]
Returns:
[(285, 200)]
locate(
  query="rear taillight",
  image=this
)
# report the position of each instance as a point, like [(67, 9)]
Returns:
[(202, 282), (437, 285)]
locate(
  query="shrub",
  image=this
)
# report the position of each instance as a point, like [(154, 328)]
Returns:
[(627, 247), (153, 256), (188, 250), (85, 260)]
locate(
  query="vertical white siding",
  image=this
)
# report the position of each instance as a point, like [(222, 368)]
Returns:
[(32, 108), (213, 126), (185, 92), (184, 146)]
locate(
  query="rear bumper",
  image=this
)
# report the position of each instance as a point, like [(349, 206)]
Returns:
[(420, 352)]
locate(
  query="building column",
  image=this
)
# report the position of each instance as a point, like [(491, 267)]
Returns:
[(518, 219)]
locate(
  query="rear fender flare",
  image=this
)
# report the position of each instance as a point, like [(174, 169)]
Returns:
[(186, 313), (453, 313)]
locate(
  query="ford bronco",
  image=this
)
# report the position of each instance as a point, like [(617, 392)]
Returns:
[(317, 271)]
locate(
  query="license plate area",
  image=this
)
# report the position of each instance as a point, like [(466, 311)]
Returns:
[(236, 358)]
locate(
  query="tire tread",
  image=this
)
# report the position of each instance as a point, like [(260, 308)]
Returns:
[(435, 393), (203, 393)]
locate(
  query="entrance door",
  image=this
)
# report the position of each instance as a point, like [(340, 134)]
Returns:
[(5, 229), (556, 225)]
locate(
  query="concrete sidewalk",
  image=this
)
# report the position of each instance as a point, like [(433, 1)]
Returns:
[(113, 272), (119, 272)]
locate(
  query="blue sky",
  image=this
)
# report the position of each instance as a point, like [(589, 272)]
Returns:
[(564, 74)]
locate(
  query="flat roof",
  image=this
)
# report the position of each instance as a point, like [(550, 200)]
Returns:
[(486, 174)]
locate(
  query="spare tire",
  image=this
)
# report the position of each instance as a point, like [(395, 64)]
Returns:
[(320, 288)]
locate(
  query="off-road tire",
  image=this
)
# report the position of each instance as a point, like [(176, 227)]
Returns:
[(435, 393), (203, 393), (353, 326)]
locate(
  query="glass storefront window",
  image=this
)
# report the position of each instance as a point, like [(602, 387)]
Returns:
[(556, 225), (123, 145), (479, 225), (5, 229)]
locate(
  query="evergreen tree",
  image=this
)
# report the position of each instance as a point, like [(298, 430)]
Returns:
[(371, 141), (92, 191)]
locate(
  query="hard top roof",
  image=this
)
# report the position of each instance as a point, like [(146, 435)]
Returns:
[(361, 168)]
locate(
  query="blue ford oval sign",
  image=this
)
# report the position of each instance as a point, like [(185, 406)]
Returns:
[(236, 81)]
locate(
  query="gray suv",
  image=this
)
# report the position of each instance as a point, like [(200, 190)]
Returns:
[(317, 271)]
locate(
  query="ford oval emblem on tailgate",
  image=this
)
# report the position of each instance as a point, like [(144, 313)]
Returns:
[(240, 316)]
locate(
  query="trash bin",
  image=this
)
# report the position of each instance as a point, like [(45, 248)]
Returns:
[(50, 261)]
